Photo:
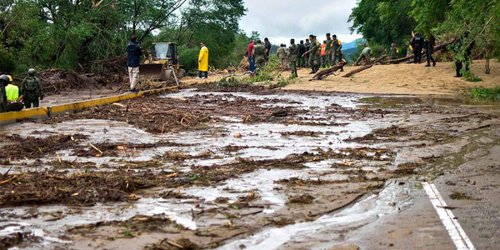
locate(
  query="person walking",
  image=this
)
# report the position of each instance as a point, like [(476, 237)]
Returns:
[(418, 44), (203, 62), (293, 57), (251, 61), (31, 89), (134, 53), (463, 53), (429, 50), (314, 54)]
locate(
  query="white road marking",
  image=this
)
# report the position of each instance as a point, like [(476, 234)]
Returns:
[(450, 222)]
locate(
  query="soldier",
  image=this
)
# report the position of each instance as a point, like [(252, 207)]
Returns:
[(31, 90), (337, 50), (314, 54), (302, 50), (429, 50), (293, 57), (393, 52), (281, 53), (306, 55), (365, 55), (329, 51), (267, 48), (418, 44), (259, 54), (4, 80)]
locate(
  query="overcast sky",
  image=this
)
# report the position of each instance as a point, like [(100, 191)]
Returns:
[(281, 20)]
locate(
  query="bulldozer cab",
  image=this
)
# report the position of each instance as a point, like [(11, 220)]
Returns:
[(165, 52), (160, 63)]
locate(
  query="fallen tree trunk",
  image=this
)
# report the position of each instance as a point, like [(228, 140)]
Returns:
[(324, 73), (436, 49), (358, 70)]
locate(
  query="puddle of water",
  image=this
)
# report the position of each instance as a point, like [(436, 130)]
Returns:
[(392, 199)]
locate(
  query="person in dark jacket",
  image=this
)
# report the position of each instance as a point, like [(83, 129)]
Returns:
[(31, 89), (134, 52), (463, 54), (302, 50), (418, 44), (267, 47), (429, 50)]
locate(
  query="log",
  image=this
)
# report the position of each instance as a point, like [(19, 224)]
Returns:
[(324, 73), (436, 49), (358, 70)]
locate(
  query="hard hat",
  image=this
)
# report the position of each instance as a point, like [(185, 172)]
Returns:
[(4, 78), (31, 71)]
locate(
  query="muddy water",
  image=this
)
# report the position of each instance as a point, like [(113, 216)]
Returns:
[(253, 141)]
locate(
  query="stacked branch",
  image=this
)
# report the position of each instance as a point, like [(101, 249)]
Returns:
[(324, 73), (358, 70)]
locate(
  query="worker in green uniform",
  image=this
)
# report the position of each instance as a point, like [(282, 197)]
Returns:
[(293, 57), (14, 98), (329, 51), (393, 52), (259, 54), (31, 90), (314, 54), (336, 50), (305, 54)]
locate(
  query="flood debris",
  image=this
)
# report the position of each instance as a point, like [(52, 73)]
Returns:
[(36, 147)]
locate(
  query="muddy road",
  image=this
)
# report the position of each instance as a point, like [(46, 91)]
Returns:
[(247, 168)]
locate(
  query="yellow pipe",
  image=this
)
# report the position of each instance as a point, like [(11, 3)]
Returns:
[(44, 111)]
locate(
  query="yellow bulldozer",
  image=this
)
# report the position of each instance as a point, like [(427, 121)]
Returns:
[(161, 63)]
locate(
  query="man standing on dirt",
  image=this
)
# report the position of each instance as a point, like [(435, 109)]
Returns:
[(418, 44), (429, 50), (306, 54), (31, 89), (203, 62), (337, 50), (314, 54), (393, 52), (267, 47), (463, 53), (134, 53), (328, 57), (302, 50), (293, 56), (251, 62), (259, 54), (281, 53)]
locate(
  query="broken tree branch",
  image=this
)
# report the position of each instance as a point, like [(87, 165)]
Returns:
[(358, 70), (436, 49), (324, 73)]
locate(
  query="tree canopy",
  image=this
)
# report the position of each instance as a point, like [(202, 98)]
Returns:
[(73, 34), (383, 22)]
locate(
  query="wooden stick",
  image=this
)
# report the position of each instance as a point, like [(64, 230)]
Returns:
[(324, 73), (357, 70), (94, 147)]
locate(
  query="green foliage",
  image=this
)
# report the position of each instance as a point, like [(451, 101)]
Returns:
[(471, 77), (74, 34), (492, 94), (7, 64), (188, 57)]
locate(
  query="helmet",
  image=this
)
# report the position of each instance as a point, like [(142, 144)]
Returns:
[(4, 78), (31, 71)]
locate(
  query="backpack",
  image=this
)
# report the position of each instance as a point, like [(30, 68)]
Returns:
[(30, 84)]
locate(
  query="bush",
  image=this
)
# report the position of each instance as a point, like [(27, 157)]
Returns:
[(189, 58), (7, 64), (492, 94)]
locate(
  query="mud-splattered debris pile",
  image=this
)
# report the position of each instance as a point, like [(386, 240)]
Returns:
[(37, 147)]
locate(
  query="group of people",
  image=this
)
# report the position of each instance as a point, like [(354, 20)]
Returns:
[(310, 53), (15, 98)]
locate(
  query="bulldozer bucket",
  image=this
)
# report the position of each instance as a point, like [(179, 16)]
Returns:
[(154, 72)]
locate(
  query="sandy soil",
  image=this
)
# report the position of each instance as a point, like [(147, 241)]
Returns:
[(401, 79)]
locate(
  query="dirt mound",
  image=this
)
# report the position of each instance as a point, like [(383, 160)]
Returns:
[(56, 80)]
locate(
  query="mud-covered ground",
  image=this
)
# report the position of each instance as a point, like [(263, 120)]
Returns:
[(228, 168)]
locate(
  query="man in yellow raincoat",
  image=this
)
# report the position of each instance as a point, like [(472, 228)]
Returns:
[(203, 62)]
